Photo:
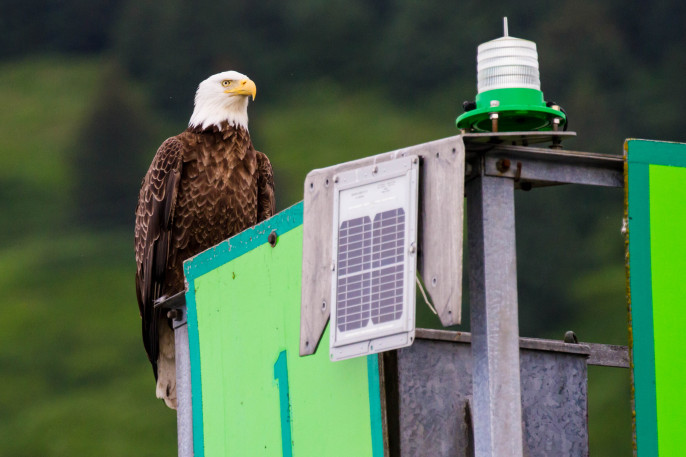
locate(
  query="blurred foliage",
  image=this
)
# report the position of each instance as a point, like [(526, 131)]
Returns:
[(91, 88), (75, 381), (116, 133)]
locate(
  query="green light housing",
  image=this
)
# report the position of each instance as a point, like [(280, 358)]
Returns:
[(509, 97)]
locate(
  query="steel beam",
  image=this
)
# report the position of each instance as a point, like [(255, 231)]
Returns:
[(494, 321)]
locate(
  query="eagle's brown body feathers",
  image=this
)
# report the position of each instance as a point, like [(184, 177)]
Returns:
[(202, 187)]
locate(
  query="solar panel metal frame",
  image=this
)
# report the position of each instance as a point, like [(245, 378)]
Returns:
[(398, 179)]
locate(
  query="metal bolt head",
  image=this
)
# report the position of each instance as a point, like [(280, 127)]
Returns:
[(174, 314), (503, 165), (413, 248), (272, 238)]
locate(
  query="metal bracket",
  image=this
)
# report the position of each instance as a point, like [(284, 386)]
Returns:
[(439, 262), (176, 306)]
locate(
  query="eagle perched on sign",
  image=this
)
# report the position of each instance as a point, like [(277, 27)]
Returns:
[(203, 186)]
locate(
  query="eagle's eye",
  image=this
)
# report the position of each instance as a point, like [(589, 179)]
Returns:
[(226, 83)]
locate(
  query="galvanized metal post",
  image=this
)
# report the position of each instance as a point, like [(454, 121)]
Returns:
[(184, 412), (497, 396)]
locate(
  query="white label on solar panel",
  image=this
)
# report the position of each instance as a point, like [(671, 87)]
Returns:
[(373, 296)]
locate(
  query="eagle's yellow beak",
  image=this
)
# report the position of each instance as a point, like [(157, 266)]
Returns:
[(243, 87)]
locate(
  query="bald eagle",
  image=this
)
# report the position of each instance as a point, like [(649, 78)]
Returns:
[(203, 186)]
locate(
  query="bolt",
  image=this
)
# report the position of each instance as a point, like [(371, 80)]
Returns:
[(503, 165), (494, 121), (272, 238), (413, 248), (174, 314), (570, 337)]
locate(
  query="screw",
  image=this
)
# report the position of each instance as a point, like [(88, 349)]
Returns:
[(272, 238), (503, 165), (415, 159), (335, 179), (174, 314), (333, 266), (323, 305), (375, 169), (494, 121)]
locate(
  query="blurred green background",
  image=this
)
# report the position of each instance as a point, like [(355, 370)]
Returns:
[(89, 89)]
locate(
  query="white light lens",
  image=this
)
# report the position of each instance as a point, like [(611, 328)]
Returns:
[(507, 63)]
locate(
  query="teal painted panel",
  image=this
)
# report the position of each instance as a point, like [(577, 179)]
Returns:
[(656, 208), (244, 320), (642, 341)]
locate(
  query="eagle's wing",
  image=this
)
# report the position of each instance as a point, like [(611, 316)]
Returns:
[(154, 214), (266, 204)]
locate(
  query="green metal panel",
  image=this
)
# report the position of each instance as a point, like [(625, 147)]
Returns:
[(656, 199), (252, 393)]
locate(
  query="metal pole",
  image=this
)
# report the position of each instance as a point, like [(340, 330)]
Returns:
[(497, 410), (184, 411)]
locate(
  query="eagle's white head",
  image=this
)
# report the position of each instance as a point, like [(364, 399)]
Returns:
[(223, 98)]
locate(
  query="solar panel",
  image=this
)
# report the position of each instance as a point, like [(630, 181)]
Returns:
[(374, 258)]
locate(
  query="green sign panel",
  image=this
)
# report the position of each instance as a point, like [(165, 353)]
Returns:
[(252, 393), (656, 209)]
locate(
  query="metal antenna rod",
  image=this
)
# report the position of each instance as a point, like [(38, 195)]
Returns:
[(505, 33)]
